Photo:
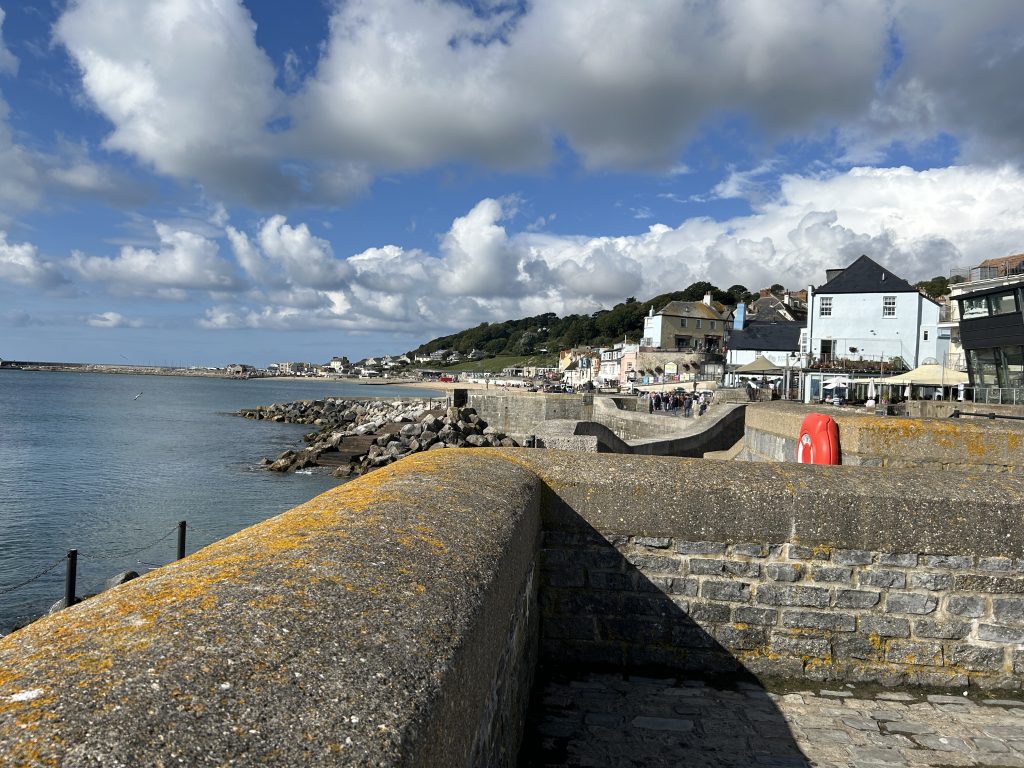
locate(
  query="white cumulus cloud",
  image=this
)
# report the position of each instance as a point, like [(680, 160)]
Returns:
[(409, 84), (184, 261), (21, 264), (111, 320), (918, 223)]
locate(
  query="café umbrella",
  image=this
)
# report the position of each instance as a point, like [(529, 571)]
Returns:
[(838, 382)]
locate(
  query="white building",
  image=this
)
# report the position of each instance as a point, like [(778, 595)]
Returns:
[(865, 312), (609, 373)]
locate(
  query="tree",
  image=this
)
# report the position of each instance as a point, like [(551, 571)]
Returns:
[(777, 289), (696, 291), (936, 287)]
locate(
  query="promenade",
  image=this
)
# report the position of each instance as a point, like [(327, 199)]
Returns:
[(608, 720)]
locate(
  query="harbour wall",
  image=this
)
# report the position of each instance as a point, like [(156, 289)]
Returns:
[(399, 619), (935, 444), (519, 414)]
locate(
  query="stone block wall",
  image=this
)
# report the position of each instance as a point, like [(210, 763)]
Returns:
[(782, 610), (396, 620), (936, 444)]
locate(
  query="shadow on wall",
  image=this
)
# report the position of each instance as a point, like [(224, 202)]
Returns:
[(628, 676)]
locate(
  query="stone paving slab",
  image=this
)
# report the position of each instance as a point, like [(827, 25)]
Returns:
[(611, 720)]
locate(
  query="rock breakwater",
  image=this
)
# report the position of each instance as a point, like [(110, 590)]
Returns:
[(357, 436)]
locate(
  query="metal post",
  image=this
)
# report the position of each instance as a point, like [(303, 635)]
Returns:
[(181, 539), (69, 578)]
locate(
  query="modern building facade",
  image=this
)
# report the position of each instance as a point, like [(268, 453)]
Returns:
[(992, 330)]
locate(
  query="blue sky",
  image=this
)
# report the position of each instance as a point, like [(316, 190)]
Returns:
[(208, 181)]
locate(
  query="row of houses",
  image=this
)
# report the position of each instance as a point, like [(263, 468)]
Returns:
[(863, 317)]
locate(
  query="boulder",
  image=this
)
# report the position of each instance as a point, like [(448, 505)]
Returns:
[(477, 440), (119, 579), (411, 430)]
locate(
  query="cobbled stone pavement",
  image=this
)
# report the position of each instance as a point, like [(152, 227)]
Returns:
[(608, 720)]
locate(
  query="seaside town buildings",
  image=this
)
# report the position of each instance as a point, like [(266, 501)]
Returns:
[(863, 317)]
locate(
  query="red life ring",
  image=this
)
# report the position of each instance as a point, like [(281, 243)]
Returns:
[(819, 440)]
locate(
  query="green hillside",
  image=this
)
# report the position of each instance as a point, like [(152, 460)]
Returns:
[(546, 334)]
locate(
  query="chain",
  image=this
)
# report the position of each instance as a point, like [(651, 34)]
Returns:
[(8, 590), (126, 553)]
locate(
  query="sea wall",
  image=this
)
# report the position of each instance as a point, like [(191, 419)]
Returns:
[(392, 621), (519, 414), (398, 619), (888, 441)]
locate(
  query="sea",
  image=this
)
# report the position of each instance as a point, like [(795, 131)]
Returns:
[(109, 464)]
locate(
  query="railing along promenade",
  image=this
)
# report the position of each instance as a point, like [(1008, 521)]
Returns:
[(401, 618)]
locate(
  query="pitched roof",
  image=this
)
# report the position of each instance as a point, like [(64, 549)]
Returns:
[(866, 276), (767, 337), (773, 309), (1006, 262), (690, 309)]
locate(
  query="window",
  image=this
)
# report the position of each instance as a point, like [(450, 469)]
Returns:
[(926, 336), (888, 306), (1003, 303), (973, 307), (697, 324), (682, 322), (712, 325), (825, 306)]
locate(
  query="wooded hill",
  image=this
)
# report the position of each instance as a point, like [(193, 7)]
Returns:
[(529, 335)]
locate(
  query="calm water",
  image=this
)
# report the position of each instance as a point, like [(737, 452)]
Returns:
[(85, 465)]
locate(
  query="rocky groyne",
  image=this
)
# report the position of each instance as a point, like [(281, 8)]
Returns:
[(356, 436)]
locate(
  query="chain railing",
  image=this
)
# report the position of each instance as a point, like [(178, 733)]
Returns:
[(70, 560)]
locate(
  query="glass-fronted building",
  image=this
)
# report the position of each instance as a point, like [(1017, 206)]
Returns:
[(992, 331)]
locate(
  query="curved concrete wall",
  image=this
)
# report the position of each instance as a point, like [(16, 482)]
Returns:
[(395, 620)]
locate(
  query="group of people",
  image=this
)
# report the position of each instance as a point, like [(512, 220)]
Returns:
[(672, 402)]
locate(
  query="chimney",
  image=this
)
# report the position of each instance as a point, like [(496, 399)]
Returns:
[(764, 293), (707, 298)]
